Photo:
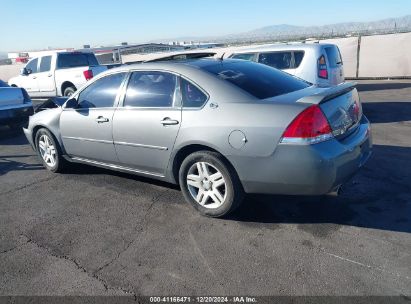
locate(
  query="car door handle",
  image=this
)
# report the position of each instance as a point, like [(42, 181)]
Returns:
[(34, 77), (169, 122), (49, 75), (101, 119)]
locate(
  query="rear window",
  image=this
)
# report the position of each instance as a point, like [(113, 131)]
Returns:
[(278, 60), (334, 56), (76, 60), (258, 80)]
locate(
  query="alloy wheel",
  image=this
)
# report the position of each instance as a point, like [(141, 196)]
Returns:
[(47, 150), (206, 185)]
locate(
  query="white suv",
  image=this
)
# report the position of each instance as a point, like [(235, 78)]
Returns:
[(320, 64)]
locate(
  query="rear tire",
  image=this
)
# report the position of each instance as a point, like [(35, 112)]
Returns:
[(210, 184), (69, 91), (49, 151)]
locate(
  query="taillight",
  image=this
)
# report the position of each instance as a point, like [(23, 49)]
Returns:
[(88, 74), (322, 68), (309, 127)]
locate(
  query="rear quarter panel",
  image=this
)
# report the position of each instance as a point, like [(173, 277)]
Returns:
[(262, 124)]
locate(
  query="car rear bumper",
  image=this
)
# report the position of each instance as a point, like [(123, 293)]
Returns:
[(17, 114), (307, 169)]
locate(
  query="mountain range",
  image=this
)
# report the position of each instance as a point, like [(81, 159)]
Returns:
[(284, 31)]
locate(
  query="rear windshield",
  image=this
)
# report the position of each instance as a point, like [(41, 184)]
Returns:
[(259, 80), (334, 56), (76, 60)]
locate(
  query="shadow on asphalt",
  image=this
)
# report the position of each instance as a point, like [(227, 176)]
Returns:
[(380, 86), (7, 165), (386, 112), (378, 197)]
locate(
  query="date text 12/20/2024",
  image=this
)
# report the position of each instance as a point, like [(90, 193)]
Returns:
[(239, 299)]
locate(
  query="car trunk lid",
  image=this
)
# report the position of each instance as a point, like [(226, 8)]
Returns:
[(10, 96), (341, 106)]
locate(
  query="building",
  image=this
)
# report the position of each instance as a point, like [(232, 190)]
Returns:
[(113, 54)]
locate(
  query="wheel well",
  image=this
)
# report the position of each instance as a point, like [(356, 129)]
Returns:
[(65, 85), (187, 150)]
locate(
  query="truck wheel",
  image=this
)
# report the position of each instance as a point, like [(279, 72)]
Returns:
[(209, 184), (69, 91)]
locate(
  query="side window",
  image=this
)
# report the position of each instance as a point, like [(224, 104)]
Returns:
[(278, 60), (244, 56), (102, 93), (192, 96), (32, 65), (45, 64), (298, 58), (150, 89)]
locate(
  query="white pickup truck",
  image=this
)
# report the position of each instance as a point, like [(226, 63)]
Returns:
[(60, 74)]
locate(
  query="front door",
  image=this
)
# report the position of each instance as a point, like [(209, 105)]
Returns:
[(45, 78), (146, 125), (87, 130), (29, 81)]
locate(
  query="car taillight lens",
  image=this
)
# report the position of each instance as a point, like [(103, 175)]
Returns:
[(322, 68), (309, 127), (88, 74)]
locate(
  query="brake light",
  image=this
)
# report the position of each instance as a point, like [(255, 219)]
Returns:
[(309, 127), (322, 68), (88, 74)]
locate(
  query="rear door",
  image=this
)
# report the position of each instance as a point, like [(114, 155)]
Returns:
[(335, 65), (45, 77), (282, 60), (87, 131), (146, 125)]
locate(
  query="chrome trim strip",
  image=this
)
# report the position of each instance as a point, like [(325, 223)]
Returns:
[(115, 167), (89, 139), (122, 143)]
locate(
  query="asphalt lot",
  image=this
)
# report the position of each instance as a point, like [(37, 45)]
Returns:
[(95, 232)]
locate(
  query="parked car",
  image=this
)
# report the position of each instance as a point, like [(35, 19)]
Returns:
[(319, 64), (218, 128), (15, 106), (60, 74)]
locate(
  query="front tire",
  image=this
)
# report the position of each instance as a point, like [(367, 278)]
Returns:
[(210, 184), (49, 151), (69, 91)]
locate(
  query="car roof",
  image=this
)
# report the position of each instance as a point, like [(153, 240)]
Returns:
[(281, 47), (174, 65)]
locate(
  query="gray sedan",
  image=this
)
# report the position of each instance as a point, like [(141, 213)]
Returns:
[(218, 128)]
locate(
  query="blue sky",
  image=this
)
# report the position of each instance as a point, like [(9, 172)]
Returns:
[(30, 24)]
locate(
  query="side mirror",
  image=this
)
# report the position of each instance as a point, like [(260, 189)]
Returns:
[(24, 72), (71, 104)]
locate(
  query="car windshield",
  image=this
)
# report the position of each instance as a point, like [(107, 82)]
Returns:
[(259, 80)]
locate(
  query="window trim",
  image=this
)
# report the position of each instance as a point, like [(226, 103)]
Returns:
[(116, 100), (198, 87), (37, 65), (177, 102), (300, 51), (41, 60)]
